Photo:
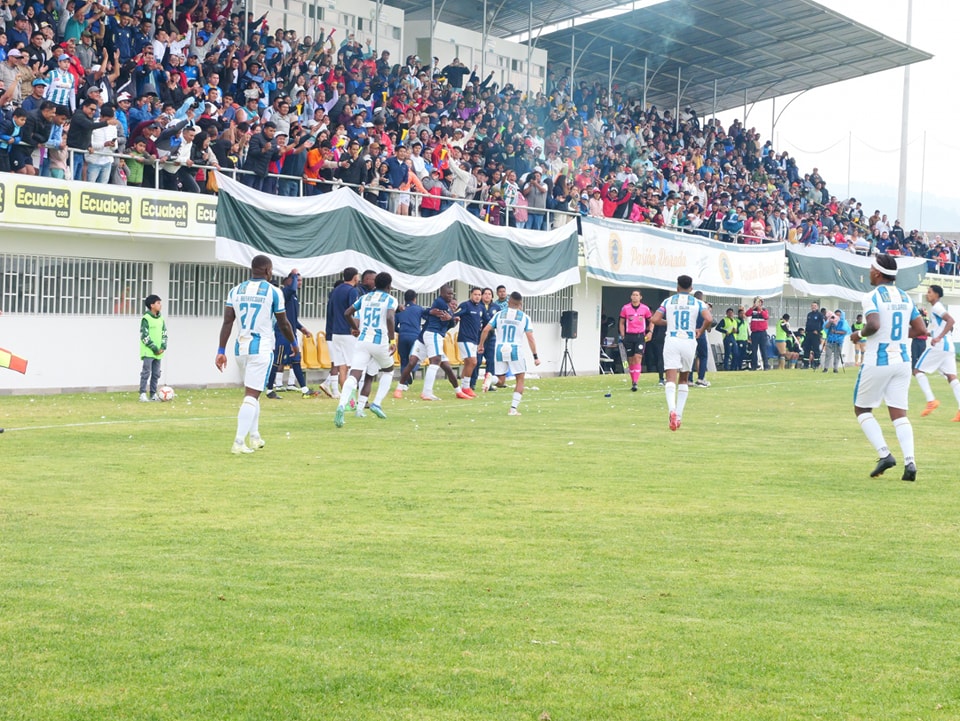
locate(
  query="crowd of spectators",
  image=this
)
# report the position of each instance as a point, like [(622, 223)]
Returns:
[(176, 95)]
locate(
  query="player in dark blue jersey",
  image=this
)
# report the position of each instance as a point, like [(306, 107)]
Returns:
[(471, 314), (341, 338), (439, 319), (409, 324)]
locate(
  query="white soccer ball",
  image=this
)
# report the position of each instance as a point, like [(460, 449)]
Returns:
[(165, 393)]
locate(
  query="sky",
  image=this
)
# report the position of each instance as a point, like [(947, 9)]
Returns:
[(850, 131)]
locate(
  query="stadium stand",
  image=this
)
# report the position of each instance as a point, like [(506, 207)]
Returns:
[(211, 88)]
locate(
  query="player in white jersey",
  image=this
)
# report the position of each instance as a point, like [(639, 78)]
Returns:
[(940, 355), (511, 325), (376, 343), (890, 321), (255, 305), (680, 313)]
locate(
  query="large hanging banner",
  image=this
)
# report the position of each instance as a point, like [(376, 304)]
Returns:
[(821, 270), (638, 255), (322, 235)]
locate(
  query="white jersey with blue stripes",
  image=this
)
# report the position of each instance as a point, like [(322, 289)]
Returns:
[(938, 312), (255, 303), (891, 344), (511, 325), (681, 311), (372, 309)]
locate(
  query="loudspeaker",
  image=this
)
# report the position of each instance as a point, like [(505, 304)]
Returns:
[(568, 324)]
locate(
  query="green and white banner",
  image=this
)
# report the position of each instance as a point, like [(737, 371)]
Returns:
[(822, 270), (324, 234), (639, 255)]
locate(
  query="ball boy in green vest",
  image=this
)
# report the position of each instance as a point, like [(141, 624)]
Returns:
[(153, 342)]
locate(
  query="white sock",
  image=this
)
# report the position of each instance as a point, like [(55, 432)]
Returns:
[(255, 426), (671, 390), (924, 384), (361, 402), (429, 378), (517, 397), (905, 438), (465, 382), (383, 387), (682, 391), (955, 387), (402, 386), (349, 386), (871, 428), (246, 417)]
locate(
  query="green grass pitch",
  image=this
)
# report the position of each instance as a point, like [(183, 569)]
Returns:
[(580, 562)]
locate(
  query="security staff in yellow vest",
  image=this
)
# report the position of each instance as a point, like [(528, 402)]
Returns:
[(731, 353)]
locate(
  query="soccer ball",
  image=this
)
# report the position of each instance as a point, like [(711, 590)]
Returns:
[(165, 393)]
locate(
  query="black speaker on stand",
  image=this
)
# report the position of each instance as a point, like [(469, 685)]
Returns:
[(568, 330)]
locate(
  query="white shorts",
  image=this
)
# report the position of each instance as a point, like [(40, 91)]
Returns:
[(882, 384), (933, 361), (516, 367), (678, 353), (419, 350), (467, 350), (254, 370), (371, 358), (433, 342), (341, 349)]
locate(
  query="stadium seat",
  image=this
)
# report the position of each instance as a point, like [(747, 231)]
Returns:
[(316, 352), (450, 348), (308, 348)]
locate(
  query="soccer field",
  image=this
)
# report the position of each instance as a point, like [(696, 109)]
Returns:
[(578, 562)]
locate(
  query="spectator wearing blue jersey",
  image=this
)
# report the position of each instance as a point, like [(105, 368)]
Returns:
[(471, 314)]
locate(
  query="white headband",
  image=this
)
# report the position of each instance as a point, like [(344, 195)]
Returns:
[(886, 271)]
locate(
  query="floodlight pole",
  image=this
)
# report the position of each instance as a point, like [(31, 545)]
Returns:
[(714, 101), (530, 51), (573, 43), (645, 85), (610, 79), (904, 121), (923, 174), (676, 118), (483, 41)]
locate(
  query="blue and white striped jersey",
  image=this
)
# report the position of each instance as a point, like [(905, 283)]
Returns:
[(512, 325), (891, 344), (255, 303), (938, 311), (372, 309), (681, 311)]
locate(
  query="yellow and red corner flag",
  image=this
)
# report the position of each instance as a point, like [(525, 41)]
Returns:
[(13, 362)]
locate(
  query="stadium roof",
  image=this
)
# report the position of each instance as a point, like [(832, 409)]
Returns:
[(767, 49), (504, 17)]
